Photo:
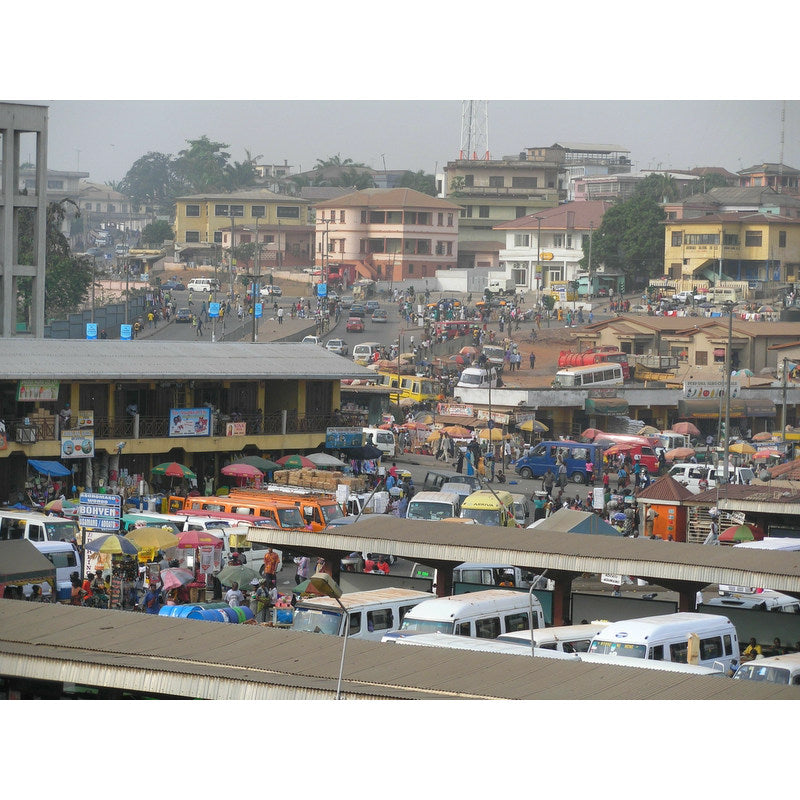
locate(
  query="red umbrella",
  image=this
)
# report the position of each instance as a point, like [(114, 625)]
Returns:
[(174, 577), (679, 454), (242, 471), (191, 539), (468, 350), (591, 434), (747, 532), (416, 426), (296, 461), (618, 448), (686, 428)]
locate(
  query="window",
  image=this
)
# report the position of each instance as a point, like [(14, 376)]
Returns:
[(258, 211), (679, 652), (781, 238), (36, 533), (657, 653), (410, 269), (111, 208), (525, 183), (519, 211), (728, 645), (702, 238), (363, 216), (394, 217), (449, 248), (516, 622), (193, 211), (466, 212), (701, 358), (377, 216), (677, 238), (487, 628), (711, 648), (221, 210), (449, 220), (380, 619), (97, 206), (462, 629), (440, 219), (403, 610), (483, 212), (569, 241), (55, 184), (730, 239), (752, 238), (355, 623), (288, 212), (341, 216), (244, 239), (235, 211), (192, 236), (496, 182), (217, 237), (469, 181), (522, 240), (558, 240)]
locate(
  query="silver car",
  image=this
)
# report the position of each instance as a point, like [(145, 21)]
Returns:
[(338, 346)]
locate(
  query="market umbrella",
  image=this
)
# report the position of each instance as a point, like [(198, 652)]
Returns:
[(764, 436), (766, 310), (325, 460), (112, 543), (190, 539), (591, 433), (618, 448), (173, 577), (748, 373), (152, 538), (305, 587), (172, 470), (296, 461), (747, 532), (457, 431), (264, 464), (468, 350), (533, 425), (237, 574), (242, 471), (647, 430), (59, 506), (764, 454), (686, 428), (679, 453), (415, 426), (742, 449), (434, 436), (492, 434), (367, 452)]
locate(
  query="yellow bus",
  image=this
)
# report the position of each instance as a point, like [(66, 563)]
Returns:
[(420, 390), (490, 508)]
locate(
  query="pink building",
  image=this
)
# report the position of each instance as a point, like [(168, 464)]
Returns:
[(387, 234)]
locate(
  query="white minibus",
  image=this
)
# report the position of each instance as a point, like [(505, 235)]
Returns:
[(606, 373), (36, 527), (783, 669), (433, 506), (384, 440), (564, 638), (64, 557)]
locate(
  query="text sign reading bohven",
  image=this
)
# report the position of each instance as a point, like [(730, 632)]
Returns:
[(99, 512)]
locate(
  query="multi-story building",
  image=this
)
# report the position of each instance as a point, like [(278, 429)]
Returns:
[(104, 208), (207, 224), (546, 247), (734, 200), (387, 234), (592, 161), (757, 248), (780, 177)]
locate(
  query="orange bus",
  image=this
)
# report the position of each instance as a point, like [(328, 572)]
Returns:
[(317, 510), (284, 514)]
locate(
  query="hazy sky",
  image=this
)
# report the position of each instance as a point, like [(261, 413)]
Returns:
[(270, 80)]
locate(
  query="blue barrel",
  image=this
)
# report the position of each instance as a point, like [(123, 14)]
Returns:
[(243, 613), (169, 611), (212, 605), (209, 614), (230, 613)]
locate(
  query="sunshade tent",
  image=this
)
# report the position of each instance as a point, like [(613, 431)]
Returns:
[(190, 539), (51, 468), (21, 563), (533, 425), (570, 520), (264, 464), (173, 470), (742, 449), (152, 538)]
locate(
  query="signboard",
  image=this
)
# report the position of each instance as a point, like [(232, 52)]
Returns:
[(99, 512), (85, 419), (235, 428), (707, 390), (126, 333), (259, 310), (545, 256), (189, 422), (598, 499), (78, 443), (38, 391), (614, 580), (322, 290), (454, 410), (213, 309), (500, 419), (344, 437), (91, 330)]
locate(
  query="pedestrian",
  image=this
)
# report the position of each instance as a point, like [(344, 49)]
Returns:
[(271, 561), (562, 475), (152, 600), (199, 326), (548, 480), (234, 597), (280, 316), (303, 569), (532, 360)]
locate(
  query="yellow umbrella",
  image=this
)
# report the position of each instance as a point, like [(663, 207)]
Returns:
[(152, 537), (742, 448), (434, 436), (492, 434), (533, 425), (458, 431)]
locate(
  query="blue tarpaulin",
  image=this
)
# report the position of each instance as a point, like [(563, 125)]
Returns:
[(52, 468)]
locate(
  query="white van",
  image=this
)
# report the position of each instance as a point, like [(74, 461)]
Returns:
[(371, 613), (761, 600), (522, 509), (783, 669), (485, 615), (667, 638), (671, 440), (564, 638), (382, 439), (203, 285), (433, 506), (721, 294), (477, 378), (495, 574), (362, 353), (453, 642), (64, 557), (36, 527), (690, 475)]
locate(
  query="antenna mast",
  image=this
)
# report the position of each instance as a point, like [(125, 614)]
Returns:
[(780, 159), (474, 130)]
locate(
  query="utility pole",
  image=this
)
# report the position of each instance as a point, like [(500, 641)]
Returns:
[(728, 393), (256, 284)]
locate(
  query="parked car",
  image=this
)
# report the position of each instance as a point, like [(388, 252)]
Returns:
[(173, 286), (687, 297), (346, 301), (355, 324), (338, 346), (332, 296), (379, 315), (183, 315), (271, 289), (311, 340)]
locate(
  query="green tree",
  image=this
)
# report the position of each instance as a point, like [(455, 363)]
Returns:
[(156, 233), (202, 165), (419, 181), (152, 181), (457, 185), (659, 187), (67, 277)]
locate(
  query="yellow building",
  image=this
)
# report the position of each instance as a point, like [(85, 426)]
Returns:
[(755, 247), (206, 224)]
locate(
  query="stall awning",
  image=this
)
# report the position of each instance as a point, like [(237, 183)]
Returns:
[(709, 409), (609, 406), (760, 407), (21, 562), (50, 468)]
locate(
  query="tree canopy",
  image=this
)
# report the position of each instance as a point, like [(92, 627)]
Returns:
[(419, 181), (156, 233)]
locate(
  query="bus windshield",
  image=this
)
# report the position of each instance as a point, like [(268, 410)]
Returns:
[(619, 649), (430, 510), (483, 516), (333, 511), (290, 518), (426, 626), (315, 621), (753, 672), (62, 530)]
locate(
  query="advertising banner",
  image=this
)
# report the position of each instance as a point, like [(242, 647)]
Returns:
[(38, 391), (126, 333), (85, 419), (708, 390), (344, 437), (77, 443), (99, 512), (189, 422), (454, 410), (500, 419), (235, 428)]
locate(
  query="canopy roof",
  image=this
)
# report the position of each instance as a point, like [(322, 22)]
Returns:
[(21, 562)]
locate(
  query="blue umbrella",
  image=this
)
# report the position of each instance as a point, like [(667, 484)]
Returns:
[(619, 516), (112, 543)]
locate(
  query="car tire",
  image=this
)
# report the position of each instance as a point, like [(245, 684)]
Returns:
[(526, 472), (578, 477)]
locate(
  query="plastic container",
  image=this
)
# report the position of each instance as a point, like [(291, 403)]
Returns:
[(209, 614)]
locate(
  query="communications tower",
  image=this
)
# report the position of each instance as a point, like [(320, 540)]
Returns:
[(474, 130)]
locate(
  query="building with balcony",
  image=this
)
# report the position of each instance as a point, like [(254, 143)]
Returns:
[(207, 224), (734, 200), (758, 248), (542, 249), (779, 177), (133, 405), (583, 160), (103, 208), (387, 234)]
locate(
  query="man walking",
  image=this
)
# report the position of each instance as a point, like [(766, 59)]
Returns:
[(280, 316), (532, 360), (271, 561)]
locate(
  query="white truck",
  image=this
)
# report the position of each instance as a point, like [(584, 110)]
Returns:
[(501, 286)]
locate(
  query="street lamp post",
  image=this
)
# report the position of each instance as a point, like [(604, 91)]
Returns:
[(256, 284), (726, 454), (326, 586)]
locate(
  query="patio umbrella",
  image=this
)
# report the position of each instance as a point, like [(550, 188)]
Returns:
[(618, 448), (264, 464), (686, 428), (242, 471), (533, 425), (415, 426), (748, 373), (679, 453), (59, 506), (747, 532), (305, 587), (742, 448), (325, 460), (764, 436), (647, 430), (191, 539), (591, 433), (296, 461), (152, 538), (172, 470), (238, 574), (367, 452), (434, 436), (457, 431), (492, 434), (766, 310), (112, 543), (764, 454), (174, 577), (469, 350)]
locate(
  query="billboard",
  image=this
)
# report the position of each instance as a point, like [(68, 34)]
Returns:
[(77, 443), (708, 390), (41, 391), (189, 422)]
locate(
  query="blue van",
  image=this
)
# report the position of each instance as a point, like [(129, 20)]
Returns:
[(576, 455)]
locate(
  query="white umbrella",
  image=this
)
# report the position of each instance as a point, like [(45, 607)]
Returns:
[(325, 460)]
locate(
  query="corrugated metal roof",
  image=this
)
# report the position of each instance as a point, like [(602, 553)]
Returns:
[(193, 658), (80, 359), (542, 548)]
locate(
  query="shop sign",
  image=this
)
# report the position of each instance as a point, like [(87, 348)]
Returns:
[(78, 443), (454, 410), (189, 422), (708, 390), (38, 391), (235, 428), (99, 512), (500, 419)]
